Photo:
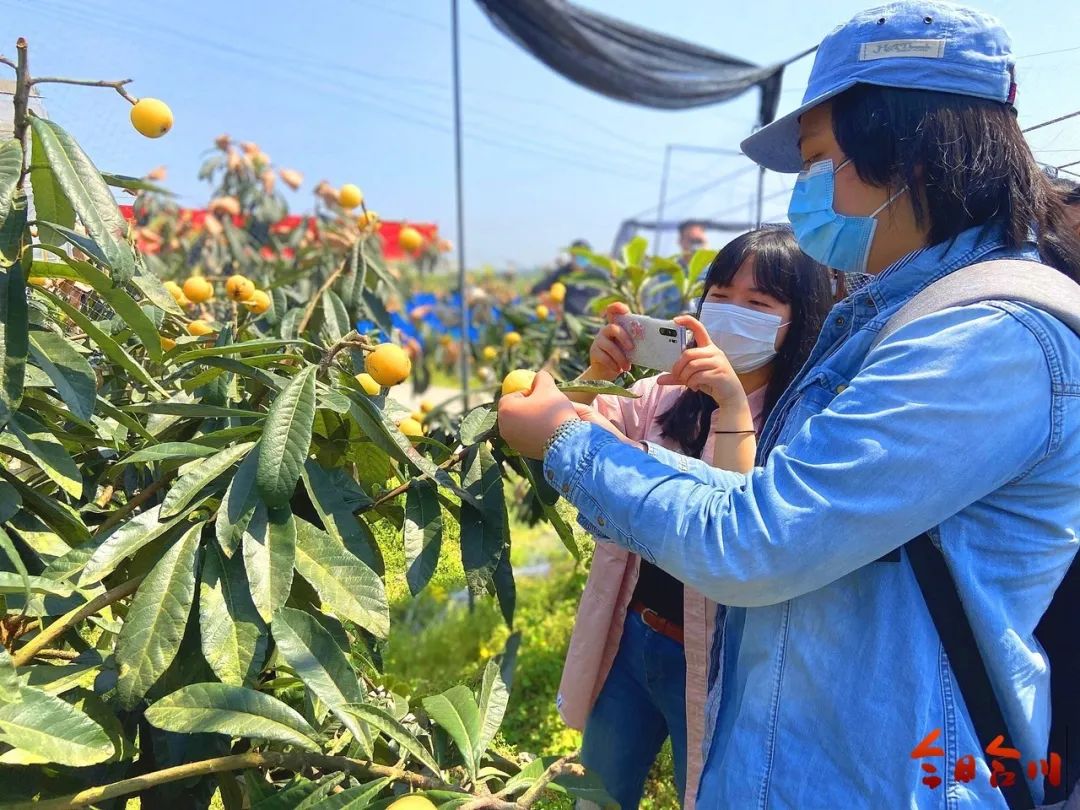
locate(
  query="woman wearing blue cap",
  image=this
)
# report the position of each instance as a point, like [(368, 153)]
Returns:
[(831, 686)]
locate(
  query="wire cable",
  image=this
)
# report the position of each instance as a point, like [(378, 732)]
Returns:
[(395, 108), (696, 190), (637, 153), (1057, 120)]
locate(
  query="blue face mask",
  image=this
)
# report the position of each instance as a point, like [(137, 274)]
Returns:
[(836, 240)]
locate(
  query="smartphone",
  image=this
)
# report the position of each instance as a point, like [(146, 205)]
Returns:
[(657, 343)]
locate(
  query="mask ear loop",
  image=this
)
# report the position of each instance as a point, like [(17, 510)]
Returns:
[(889, 201), (885, 204)]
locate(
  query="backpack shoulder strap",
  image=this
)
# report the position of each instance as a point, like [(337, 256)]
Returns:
[(958, 639), (999, 280), (1025, 282)]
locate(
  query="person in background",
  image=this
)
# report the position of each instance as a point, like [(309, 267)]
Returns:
[(578, 296), (960, 428), (692, 238), (637, 666), (661, 298)]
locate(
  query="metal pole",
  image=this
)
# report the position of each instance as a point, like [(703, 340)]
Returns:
[(466, 349), (681, 147), (663, 196), (760, 193)]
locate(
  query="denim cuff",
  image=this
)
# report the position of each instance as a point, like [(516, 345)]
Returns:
[(568, 456)]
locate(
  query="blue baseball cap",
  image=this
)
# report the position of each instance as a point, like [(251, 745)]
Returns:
[(917, 44)]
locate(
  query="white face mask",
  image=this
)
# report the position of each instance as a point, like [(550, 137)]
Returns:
[(746, 336)]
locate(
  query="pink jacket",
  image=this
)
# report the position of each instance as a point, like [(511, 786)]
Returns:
[(612, 579)]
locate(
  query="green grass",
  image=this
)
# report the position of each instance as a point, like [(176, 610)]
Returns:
[(436, 643)]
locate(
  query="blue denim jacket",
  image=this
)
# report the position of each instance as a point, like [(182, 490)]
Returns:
[(831, 671)]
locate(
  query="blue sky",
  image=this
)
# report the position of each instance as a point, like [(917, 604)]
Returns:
[(359, 91)]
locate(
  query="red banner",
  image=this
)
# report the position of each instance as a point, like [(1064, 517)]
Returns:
[(388, 231)]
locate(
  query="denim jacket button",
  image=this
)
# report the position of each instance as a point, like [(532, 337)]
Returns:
[(550, 475), (600, 521), (841, 388), (565, 489)]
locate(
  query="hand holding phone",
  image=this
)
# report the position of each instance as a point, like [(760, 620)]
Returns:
[(658, 344), (609, 354)]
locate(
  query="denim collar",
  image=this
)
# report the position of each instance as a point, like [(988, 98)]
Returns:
[(912, 273)]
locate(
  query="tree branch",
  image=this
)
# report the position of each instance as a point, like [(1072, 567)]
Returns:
[(267, 759), (118, 86), (389, 496), (106, 495), (22, 103), (133, 504), (314, 302), (489, 803), (556, 769), (39, 642), (347, 342), (360, 258), (5, 61)]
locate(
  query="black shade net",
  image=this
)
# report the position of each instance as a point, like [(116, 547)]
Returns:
[(629, 63)]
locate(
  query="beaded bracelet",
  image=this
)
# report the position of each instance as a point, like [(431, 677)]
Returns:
[(565, 427)]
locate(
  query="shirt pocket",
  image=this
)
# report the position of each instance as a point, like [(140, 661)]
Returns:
[(815, 394)]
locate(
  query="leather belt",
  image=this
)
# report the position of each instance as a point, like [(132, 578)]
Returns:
[(654, 621)]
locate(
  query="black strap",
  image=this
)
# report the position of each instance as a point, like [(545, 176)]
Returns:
[(951, 621)]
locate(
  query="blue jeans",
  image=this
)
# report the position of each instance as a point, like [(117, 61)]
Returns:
[(641, 703)]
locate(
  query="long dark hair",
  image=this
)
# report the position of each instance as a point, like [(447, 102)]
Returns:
[(788, 275), (964, 159)]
